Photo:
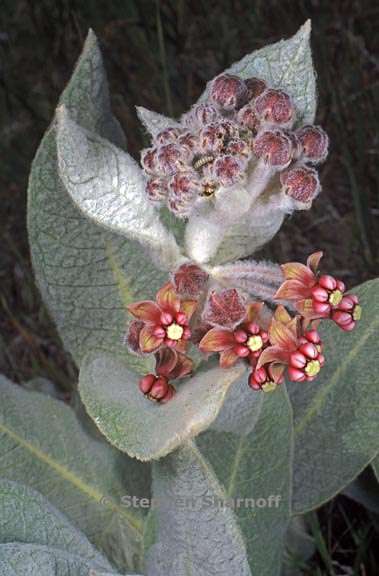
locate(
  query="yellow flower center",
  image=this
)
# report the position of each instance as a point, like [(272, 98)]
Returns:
[(255, 343), (313, 368), (357, 313), (335, 297), (174, 331), (269, 386)]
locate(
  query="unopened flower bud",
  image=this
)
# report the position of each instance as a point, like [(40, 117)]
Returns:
[(167, 136), (348, 312), (238, 147), (255, 87), (300, 183), (185, 185), (146, 383), (201, 115), (172, 157), (189, 140), (275, 147), (248, 118), (275, 107), (228, 169), (314, 142), (229, 92), (156, 189), (190, 280), (149, 160), (212, 138)]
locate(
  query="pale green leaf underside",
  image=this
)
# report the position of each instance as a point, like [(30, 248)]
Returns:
[(136, 425), (27, 517), (253, 467), (108, 186), (32, 560), (73, 258), (336, 416), (42, 442), (153, 121), (195, 539)]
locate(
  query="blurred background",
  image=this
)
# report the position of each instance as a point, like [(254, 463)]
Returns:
[(160, 55)]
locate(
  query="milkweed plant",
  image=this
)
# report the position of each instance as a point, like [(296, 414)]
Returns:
[(220, 397)]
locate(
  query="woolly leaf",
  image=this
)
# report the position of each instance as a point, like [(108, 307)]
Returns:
[(136, 425)]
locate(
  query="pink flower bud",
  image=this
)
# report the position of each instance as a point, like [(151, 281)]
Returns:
[(275, 147), (301, 183), (188, 140), (238, 147), (167, 136), (172, 157), (275, 106), (149, 160), (159, 389), (247, 117), (146, 383), (255, 87), (185, 185), (314, 143), (169, 394), (156, 189), (228, 169), (212, 138), (347, 313), (229, 92), (203, 114)]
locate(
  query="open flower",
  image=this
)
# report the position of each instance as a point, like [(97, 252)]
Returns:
[(292, 348), (314, 296), (165, 322), (246, 340)]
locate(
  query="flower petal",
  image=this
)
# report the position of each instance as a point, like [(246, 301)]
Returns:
[(228, 358), (292, 290), (282, 315), (148, 341), (313, 260), (253, 311), (181, 345), (168, 299), (133, 334), (183, 367), (167, 359), (281, 335), (188, 307), (299, 272), (273, 354), (145, 310), (217, 340)]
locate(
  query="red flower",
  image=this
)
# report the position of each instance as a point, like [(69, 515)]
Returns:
[(170, 365), (315, 297), (347, 313), (300, 352), (266, 378), (246, 340), (165, 322)]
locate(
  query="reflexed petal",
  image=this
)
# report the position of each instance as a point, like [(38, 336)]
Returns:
[(228, 358), (188, 307), (276, 371), (305, 308), (282, 315), (148, 341), (282, 335), (299, 272), (313, 261), (181, 346), (292, 290), (168, 299), (132, 337), (273, 354), (183, 367), (253, 311), (167, 359), (216, 340), (145, 310)]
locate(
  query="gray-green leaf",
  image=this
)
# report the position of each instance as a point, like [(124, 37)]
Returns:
[(107, 185), (196, 536), (27, 517), (42, 442), (136, 425), (154, 122), (336, 416), (255, 472), (86, 275)]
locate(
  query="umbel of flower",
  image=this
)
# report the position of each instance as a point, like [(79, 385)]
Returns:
[(225, 153)]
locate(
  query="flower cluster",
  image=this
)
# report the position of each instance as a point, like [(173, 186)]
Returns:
[(192, 310), (220, 141)]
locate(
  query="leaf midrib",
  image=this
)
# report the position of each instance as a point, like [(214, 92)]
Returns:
[(135, 524)]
